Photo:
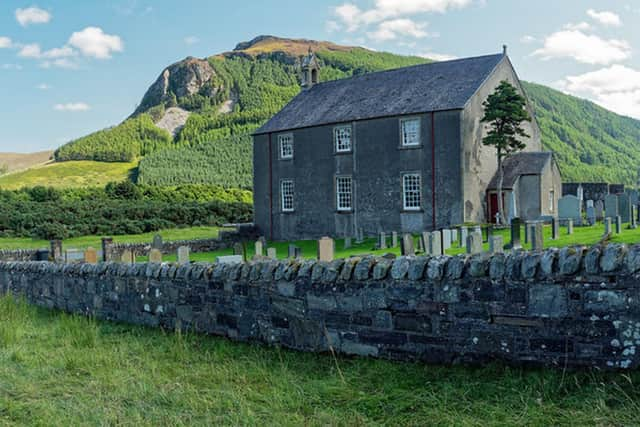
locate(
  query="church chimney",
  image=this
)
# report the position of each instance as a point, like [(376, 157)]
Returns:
[(504, 49)]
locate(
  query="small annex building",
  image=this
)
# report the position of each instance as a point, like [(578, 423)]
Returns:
[(393, 150)]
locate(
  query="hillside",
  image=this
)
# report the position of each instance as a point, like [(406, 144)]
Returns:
[(203, 101), (11, 162)]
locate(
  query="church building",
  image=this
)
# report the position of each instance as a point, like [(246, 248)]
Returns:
[(398, 150)]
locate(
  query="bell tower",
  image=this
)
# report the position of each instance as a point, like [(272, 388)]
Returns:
[(310, 71)]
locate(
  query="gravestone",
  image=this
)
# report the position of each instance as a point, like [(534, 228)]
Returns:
[(527, 231), (590, 204), (107, 242), (607, 225), (326, 249), (183, 254), (347, 243), (73, 255), (496, 244), (238, 249), (406, 246), (91, 256), (360, 235), (478, 229), (382, 240), (56, 250), (569, 206), (537, 240), (157, 242), (599, 205), (591, 215), (464, 233), (634, 221), (618, 224), (474, 243), (259, 248), (127, 257), (294, 251), (423, 242), (263, 240), (446, 239), (155, 256), (394, 239), (515, 234), (569, 227), (435, 243), (611, 206), (454, 235), (555, 228), (272, 253), (624, 208), (229, 259)]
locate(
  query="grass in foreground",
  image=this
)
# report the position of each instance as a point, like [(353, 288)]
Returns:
[(68, 174), (58, 369)]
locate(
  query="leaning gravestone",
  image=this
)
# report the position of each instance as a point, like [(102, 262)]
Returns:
[(326, 249), (624, 208), (157, 242), (435, 243), (474, 243), (423, 242), (496, 244), (569, 206), (91, 256), (183, 255), (599, 205), (155, 256), (611, 206), (406, 247)]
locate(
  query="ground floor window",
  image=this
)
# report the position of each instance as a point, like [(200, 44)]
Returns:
[(344, 191), (286, 195), (411, 191)]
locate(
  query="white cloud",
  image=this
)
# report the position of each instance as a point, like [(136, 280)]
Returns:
[(32, 15), (17, 67), (30, 51), (72, 106), (605, 17), (65, 63), (437, 56), (581, 26), (528, 39), (616, 88), (93, 42), (5, 43), (43, 86), (589, 49), (350, 15), (59, 52), (390, 30), (191, 40), (331, 26)]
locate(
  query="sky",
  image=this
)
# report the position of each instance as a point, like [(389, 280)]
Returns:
[(70, 67)]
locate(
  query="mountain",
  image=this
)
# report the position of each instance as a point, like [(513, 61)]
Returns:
[(11, 162), (192, 122)]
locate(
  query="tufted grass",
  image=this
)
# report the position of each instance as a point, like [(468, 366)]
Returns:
[(59, 369)]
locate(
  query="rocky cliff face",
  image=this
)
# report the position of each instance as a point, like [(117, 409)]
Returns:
[(187, 77)]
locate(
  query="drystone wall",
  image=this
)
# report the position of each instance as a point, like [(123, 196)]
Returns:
[(18, 255), (574, 307)]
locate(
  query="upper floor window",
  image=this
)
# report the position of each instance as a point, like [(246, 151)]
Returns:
[(286, 146), (344, 199), (410, 132), (286, 195), (342, 138), (411, 191)]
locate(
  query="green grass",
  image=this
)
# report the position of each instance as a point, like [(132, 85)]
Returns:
[(95, 241), (58, 369), (582, 235), (74, 174)]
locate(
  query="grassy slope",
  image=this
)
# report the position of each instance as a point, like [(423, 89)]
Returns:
[(19, 161), (57, 369), (82, 173), (95, 241)]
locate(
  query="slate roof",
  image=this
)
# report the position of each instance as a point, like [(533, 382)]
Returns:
[(436, 86), (521, 164)]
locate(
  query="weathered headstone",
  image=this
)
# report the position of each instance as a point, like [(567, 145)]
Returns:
[(347, 243), (618, 224), (591, 215), (611, 206), (91, 256), (634, 218), (515, 234), (263, 240), (537, 241), (454, 235), (464, 232), (624, 208), (590, 204), (423, 242), (496, 244), (259, 248), (478, 229), (394, 239), (406, 247), (229, 259), (56, 250), (474, 243), (107, 243), (157, 242), (183, 254), (435, 243), (446, 239), (570, 206), (155, 255), (360, 235), (382, 240), (238, 249), (555, 228), (326, 249), (127, 257), (599, 205), (527, 231), (272, 253), (607, 225), (73, 255), (569, 227)]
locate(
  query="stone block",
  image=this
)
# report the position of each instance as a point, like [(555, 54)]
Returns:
[(407, 248), (474, 243), (496, 244), (272, 253), (326, 249), (155, 256), (91, 256), (183, 255)]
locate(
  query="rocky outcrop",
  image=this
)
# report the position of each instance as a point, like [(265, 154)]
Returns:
[(173, 120)]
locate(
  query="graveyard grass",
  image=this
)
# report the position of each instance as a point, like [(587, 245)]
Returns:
[(59, 369)]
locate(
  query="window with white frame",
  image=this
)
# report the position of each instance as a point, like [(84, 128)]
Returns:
[(410, 130), (411, 191), (342, 137), (286, 146), (286, 195), (344, 191)]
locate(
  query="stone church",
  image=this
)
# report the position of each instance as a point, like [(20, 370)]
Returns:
[(394, 150)]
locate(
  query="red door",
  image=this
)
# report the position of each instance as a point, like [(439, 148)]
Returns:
[(493, 206)]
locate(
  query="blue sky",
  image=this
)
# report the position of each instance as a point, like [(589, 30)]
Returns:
[(70, 67)]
